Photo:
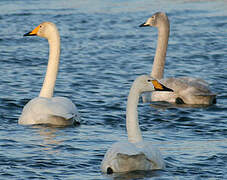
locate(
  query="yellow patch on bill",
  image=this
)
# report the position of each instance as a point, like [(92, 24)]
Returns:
[(35, 31), (157, 85)]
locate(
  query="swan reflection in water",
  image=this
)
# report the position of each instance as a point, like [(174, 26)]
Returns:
[(49, 138)]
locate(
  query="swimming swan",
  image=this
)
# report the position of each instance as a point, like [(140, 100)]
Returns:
[(46, 109), (187, 90), (135, 154)]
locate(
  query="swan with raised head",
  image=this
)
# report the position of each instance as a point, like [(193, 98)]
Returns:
[(187, 90), (47, 109), (134, 154)]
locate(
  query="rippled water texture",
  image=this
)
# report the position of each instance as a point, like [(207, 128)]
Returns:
[(103, 51)]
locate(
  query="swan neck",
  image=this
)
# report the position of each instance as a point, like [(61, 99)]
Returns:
[(52, 67), (160, 55), (132, 124)]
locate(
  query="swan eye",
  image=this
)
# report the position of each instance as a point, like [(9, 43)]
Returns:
[(148, 80)]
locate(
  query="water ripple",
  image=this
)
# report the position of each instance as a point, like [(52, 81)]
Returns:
[(102, 51)]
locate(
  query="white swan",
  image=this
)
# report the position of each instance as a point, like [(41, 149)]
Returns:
[(187, 90), (46, 109), (135, 154)]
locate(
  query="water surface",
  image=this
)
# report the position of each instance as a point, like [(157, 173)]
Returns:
[(103, 51)]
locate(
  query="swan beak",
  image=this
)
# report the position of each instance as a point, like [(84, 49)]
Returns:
[(160, 87), (33, 32), (144, 25)]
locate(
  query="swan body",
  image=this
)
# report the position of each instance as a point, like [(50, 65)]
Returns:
[(126, 156), (47, 109), (135, 154), (187, 90), (57, 111)]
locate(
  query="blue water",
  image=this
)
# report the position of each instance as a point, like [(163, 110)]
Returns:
[(103, 51)]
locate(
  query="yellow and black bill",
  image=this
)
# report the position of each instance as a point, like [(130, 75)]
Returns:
[(33, 32), (160, 87), (144, 25)]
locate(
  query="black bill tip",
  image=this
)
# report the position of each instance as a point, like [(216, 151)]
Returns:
[(143, 25), (29, 34), (167, 89), (164, 88)]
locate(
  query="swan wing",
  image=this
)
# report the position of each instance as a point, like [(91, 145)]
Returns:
[(63, 107), (195, 86), (41, 110), (152, 153), (188, 90)]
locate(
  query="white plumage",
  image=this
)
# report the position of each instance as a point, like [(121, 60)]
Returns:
[(56, 110), (187, 90), (136, 154), (47, 109), (126, 156)]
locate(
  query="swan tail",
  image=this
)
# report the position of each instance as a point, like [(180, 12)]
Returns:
[(75, 118)]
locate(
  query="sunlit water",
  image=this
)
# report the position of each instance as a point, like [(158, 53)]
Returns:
[(103, 51)]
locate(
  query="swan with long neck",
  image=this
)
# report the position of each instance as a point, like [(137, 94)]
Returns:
[(187, 90), (47, 109), (135, 154)]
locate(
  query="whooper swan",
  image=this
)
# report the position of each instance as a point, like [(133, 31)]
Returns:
[(135, 154), (187, 90), (47, 109)]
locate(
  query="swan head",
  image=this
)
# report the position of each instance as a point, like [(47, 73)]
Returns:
[(156, 20), (45, 30), (146, 83)]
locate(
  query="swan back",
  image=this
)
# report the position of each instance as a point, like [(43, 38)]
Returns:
[(189, 90), (126, 156), (58, 111)]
